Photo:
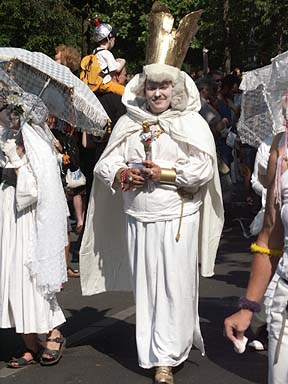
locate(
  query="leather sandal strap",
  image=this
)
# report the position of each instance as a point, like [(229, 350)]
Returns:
[(19, 360), (51, 352), (58, 340)]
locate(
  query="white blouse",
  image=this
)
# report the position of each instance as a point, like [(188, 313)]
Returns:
[(159, 202)]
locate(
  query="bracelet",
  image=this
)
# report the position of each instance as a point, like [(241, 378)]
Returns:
[(123, 175), (252, 306), (167, 176), (266, 251)]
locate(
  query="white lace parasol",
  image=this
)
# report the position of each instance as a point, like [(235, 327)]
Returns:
[(255, 122), (64, 94)]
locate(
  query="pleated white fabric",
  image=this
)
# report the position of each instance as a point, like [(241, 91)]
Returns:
[(276, 302), (21, 304), (278, 370), (165, 285)]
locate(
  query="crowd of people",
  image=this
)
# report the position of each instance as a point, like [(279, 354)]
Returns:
[(164, 170)]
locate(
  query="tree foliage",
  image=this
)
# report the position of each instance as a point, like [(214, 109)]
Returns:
[(38, 25), (225, 27)]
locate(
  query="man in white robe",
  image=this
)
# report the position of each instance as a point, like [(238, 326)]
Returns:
[(170, 205)]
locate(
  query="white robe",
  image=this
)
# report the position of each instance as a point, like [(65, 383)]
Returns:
[(165, 285), (164, 271), (167, 321), (103, 262), (21, 304)]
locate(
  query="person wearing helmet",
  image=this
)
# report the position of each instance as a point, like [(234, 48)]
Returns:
[(104, 35)]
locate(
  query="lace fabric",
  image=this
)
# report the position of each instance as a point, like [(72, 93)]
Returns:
[(49, 238), (47, 261)]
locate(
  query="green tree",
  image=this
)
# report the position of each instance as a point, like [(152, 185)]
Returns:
[(272, 29), (38, 25)]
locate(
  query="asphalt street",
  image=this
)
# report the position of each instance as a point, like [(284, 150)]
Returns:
[(100, 334)]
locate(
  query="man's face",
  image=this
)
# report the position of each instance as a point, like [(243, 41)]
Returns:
[(158, 95)]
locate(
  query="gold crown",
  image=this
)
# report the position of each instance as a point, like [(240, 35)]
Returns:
[(166, 45)]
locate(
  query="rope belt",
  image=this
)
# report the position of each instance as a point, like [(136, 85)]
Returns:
[(183, 194)]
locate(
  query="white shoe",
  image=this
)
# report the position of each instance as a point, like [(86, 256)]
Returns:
[(256, 345)]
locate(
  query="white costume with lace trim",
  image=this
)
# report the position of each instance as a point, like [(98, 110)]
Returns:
[(33, 232)]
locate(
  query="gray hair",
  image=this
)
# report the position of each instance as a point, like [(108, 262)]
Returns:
[(179, 98)]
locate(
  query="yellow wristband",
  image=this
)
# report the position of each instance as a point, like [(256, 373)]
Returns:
[(266, 251), (167, 176)]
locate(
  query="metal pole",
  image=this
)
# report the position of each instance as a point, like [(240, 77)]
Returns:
[(205, 61)]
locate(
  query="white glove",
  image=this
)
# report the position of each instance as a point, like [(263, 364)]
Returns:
[(9, 147)]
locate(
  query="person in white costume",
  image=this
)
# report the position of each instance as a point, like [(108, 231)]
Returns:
[(168, 194), (258, 183), (269, 270), (33, 233)]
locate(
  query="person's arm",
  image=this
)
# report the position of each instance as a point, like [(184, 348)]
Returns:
[(194, 172), (26, 188), (13, 153), (122, 64), (109, 170), (114, 65), (87, 141), (263, 266)]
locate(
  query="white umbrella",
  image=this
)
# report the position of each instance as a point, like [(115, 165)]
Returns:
[(265, 98), (255, 122), (9, 53), (277, 91), (64, 94)]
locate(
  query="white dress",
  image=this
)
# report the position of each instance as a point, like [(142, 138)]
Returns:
[(276, 301), (164, 271), (21, 305)]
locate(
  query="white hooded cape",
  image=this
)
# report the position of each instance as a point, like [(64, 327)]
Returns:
[(103, 254)]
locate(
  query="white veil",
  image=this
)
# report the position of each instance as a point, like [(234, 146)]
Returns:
[(49, 238)]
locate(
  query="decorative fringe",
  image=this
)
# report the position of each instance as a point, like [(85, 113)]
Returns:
[(87, 116)]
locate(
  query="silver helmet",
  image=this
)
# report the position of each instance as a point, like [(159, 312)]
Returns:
[(103, 31)]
